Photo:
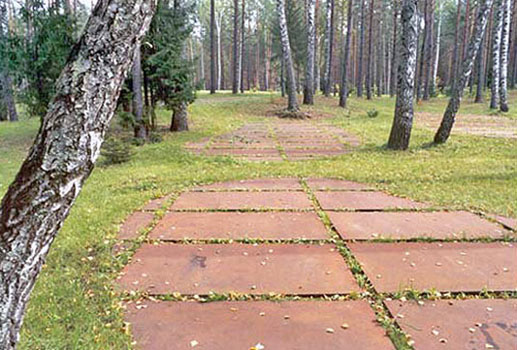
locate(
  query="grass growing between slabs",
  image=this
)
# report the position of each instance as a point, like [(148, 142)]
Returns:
[(74, 305)]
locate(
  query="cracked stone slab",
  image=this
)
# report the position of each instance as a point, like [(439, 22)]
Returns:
[(408, 225), (301, 325), (364, 201), (335, 184), (249, 269), (134, 224), (242, 200), (446, 267), (459, 324), (288, 184), (238, 225)]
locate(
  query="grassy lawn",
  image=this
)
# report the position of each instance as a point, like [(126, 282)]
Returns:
[(74, 305)]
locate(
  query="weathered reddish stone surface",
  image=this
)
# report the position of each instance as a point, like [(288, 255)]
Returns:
[(303, 325), (241, 152), (287, 184), (237, 225), (364, 201), (251, 269), (157, 203), (134, 224), (459, 324), (455, 267), (508, 222), (407, 225), (243, 200), (335, 184)]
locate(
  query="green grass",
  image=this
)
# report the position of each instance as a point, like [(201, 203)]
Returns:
[(74, 306)]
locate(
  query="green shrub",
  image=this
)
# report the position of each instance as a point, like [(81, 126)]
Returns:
[(372, 113), (116, 151)]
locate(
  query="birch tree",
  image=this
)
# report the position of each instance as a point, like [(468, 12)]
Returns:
[(308, 92), (497, 32), (292, 105), (329, 46), (403, 120), (505, 40), (65, 151), (212, 48), (443, 133)]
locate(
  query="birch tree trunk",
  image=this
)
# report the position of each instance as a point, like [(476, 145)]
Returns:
[(369, 63), (212, 49), (437, 48), (496, 53), (329, 44), (443, 133), (394, 59), (343, 92), (138, 102), (481, 71), (505, 41), (288, 60), (64, 151), (308, 92), (403, 120)]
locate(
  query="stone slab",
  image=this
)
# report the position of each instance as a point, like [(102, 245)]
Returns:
[(241, 152), (238, 225), (250, 269), (459, 324), (287, 184), (300, 325), (335, 184), (408, 225), (454, 267), (506, 221), (242, 200), (134, 224), (158, 203), (364, 201)]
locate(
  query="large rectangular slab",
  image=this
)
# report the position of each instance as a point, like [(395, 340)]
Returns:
[(134, 224), (251, 269), (459, 324), (364, 201), (243, 200), (455, 267), (238, 225), (335, 184), (289, 325), (407, 225), (288, 184)]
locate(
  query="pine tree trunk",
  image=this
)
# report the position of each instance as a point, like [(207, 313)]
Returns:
[(360, 60), (403, 120), (454, 63), (394, 59), (218, 21), (429, 50), (242, 47), (343, 93), (213, 61), (64, 152), (329, 46), (465, 30), (369, 63), (496, 53), (292, 105), (236, 45), (421, 53), (179, 118), (449, 117), (505, 41), (138, 103), (308, 92)]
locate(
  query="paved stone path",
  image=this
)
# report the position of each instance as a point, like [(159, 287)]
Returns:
[(279, 140), (479, 125), (314, 264)]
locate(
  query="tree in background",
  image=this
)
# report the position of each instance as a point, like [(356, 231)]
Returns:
[(505, 41), (343, 93), (497, 31), (308, 92)]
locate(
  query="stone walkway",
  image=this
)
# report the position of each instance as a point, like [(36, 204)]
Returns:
[(316, 264), (277, 141)]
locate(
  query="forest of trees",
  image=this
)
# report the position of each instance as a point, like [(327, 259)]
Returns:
[(133, 55)]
